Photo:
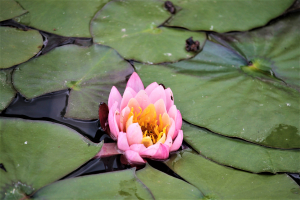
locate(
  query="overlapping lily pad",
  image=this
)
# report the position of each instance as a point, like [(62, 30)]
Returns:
[(18, 46), (36, 153), (164, 186), (219, 182), (66, 18), (224, 16), (89, 72), (6, 88), (133, 29), (231, 152), (10, 9), (220, 90), (114, 185)]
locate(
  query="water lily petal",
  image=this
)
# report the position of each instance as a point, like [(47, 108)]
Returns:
[(158, 93), (133, 103), (169, 141), (169, 98), (177, 142), (138, 147), (158, 151), (166, 120), (114, 95), (128, 94), (142, 98), (151, 87), (123, 118), (135, 82), (178, 123), (122, 142), (173, 112), (149, 151), (108, 149), (171, 129), (133, 157), (134, 134), (160, 108), (162, 152), (129, 122), (113, 126)]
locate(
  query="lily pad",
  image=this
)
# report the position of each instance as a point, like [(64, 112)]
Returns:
[(10, 9), (7, 91), (89, 72), (219, 182), (36, 153), (66, 18), (231, 152), (164, 186), (219, 90), (113, 185), (223, 16), (18, 46), (133, 29)]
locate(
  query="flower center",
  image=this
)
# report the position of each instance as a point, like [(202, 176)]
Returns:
[(154, 130)]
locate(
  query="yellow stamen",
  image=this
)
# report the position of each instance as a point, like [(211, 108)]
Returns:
[(152, 132), (147, 141)]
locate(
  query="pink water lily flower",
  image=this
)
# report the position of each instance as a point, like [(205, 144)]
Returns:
[(145, 122)]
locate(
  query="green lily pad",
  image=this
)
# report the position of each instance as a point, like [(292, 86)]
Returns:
[(273, 50), (18, 46), (7, 91), (89, 72), (132, 28), (223, 16), (219, 91), (36, 153), (66, 18), (164, 186), (10, 9), (231, 152), (113, 185), (219, 182)]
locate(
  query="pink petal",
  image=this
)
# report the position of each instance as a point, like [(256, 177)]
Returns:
[(135, 82), (138, 147), (171, 129), (162, 152), (177, 142), (128, 94), (133, 103), (123, 118), (113, 126), (160, 108), (178, 123), (143, 99), (169, 141), (158, 151), (169, 98), (114, 95), (108, 149), (157, 93), (151, 87), (134, 157), (122, 141), (173, 112), (150, 151), (134, 134)]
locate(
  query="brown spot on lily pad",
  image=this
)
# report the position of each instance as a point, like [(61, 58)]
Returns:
[(170, 7), (191, 45)]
